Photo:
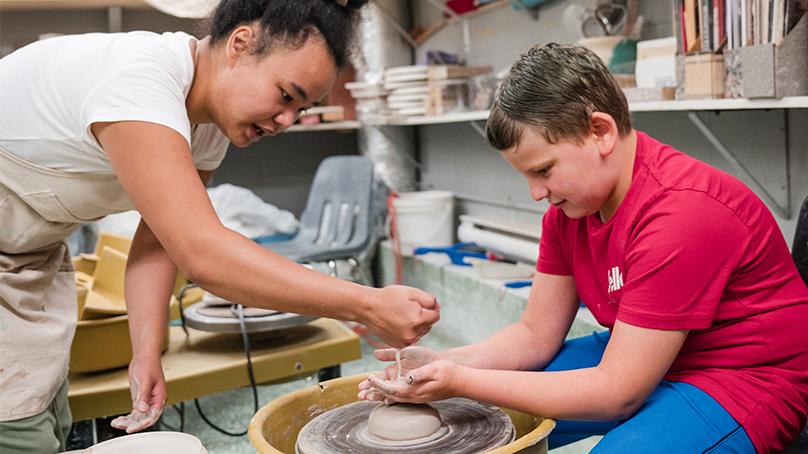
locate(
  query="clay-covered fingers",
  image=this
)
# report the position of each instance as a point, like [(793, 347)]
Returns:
[(389, 387), (385, 354), (148, 391), (372, 395), (368, 392), (137, 420)]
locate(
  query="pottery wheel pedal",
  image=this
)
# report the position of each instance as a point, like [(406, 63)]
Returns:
[(217, 315), (467, 426)]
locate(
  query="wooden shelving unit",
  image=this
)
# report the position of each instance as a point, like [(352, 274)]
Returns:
[(71, 4), (797, 102), (335, 126)]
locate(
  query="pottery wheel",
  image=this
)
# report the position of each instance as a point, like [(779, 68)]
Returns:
[(221, 317), (468, 427)]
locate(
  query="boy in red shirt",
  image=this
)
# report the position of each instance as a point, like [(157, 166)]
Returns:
[(684, 264)]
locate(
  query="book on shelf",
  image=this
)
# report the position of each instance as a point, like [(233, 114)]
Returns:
[(716, 25)]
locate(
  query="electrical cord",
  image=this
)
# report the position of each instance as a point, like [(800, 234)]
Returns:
[(181, 412), (238, 309)]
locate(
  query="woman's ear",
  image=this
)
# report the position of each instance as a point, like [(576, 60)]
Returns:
[(239, 43), (605, 132)]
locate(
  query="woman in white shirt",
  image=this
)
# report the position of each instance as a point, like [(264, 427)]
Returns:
[(100, 123)]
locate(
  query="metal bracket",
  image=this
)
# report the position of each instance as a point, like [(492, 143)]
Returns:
[(453, 16), (480, 129), (399, 149), (396, 26), (783, 210)]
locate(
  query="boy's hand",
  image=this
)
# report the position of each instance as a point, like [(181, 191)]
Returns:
[(437, 380), (412, 358)]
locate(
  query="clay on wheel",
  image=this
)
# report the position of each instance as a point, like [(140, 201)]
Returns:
[(400, 422)]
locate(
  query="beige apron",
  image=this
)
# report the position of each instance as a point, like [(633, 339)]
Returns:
[(39, 208)]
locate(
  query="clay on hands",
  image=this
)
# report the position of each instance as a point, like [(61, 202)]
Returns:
[(137, 420), (390, 380)]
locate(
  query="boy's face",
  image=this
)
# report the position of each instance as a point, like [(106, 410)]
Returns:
[(574, 177)]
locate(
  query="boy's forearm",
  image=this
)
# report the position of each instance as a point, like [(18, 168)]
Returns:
[(498, 351), (582, 394)]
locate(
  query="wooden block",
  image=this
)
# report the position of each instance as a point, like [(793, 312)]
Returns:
[(704, 76), (326, 113), (441, 72)]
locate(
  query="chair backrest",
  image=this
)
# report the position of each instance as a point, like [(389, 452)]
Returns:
[(799, 249), (338, 210)]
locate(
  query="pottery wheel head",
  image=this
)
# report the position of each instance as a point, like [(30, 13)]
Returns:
[(450, 426)]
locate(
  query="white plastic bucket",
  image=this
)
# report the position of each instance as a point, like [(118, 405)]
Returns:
[(424, 219)]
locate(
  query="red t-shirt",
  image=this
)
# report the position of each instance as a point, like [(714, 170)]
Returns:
[(691, 247)]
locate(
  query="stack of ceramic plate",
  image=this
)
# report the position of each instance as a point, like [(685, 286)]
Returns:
[(409, 89), (370, 98)]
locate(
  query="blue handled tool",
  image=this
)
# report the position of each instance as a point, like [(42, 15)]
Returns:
[(457, 252), (518, 284)]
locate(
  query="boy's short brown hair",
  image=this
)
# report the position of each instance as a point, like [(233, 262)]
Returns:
[(555, 87)]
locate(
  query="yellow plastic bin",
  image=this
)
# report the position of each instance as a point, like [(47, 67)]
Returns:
[(104, 344), (274, 429)]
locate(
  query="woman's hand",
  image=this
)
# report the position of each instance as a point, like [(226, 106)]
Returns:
[(437, 380), (400, 315), (148, 387)]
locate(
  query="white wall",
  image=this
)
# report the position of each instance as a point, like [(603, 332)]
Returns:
[(771, 144)]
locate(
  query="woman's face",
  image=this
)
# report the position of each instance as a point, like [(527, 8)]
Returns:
[(260, 95)]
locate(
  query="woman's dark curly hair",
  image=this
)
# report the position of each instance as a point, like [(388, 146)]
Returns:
[(290, 23)]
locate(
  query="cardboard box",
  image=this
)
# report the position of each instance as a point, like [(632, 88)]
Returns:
[(779, 69), (704, 76), (791, 61), (757, 71)]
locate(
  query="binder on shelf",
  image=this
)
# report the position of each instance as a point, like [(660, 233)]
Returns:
[(776, 70), (704, 76), (791, 61)]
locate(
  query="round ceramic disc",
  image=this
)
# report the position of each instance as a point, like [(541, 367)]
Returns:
[(404, 78), (399, 70), (395, 85), (406, 105), (410, 111), (468, 426), (406, 98), (414, 90)]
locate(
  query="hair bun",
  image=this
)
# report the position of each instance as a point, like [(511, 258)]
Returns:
[(351, 4)]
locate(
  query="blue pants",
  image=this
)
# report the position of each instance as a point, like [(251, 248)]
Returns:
[(676, 417)]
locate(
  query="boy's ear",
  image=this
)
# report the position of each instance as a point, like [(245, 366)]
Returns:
[(605, 132)]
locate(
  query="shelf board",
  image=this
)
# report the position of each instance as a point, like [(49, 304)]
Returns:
[(795, 102), (70, 4), (438, 119), (335, 126)]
